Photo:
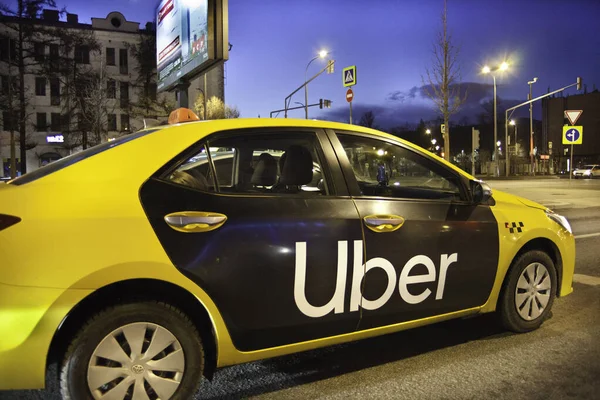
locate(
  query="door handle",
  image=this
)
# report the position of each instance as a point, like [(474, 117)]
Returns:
[(383, 223), (195, 221)]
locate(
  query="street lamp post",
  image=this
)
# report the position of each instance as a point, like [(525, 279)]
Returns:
[(322, 54), (530, 83), (488, 70), (513, 123)]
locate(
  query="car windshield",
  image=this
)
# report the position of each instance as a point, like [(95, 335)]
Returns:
[(77, 157), (588, 167)]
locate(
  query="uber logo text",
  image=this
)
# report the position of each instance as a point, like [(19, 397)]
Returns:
[(336, 304)]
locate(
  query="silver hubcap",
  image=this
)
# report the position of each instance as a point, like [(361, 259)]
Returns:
[(136, 361), (533, 291)]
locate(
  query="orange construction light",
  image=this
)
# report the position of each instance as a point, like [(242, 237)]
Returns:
[(182, 115)]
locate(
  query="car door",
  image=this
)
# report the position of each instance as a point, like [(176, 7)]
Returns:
[(267, 242), (429, 251)]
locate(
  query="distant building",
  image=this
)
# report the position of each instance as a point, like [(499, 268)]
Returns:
[(116, 36), (553, 121)]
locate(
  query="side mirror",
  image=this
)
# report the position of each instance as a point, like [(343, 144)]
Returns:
[(480, 192)]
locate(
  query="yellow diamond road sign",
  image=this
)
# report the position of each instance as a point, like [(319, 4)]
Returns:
[(572, 135)]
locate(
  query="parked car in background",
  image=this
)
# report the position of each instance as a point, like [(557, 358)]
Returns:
[(587, 171)]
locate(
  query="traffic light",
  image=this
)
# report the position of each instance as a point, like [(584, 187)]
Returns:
[(324, 103), (578, 83), (330, 65), (475, 139)]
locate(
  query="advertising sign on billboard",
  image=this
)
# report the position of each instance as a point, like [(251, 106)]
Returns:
[(189, 38)]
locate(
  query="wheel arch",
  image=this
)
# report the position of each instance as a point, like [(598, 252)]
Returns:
[(132, 290)]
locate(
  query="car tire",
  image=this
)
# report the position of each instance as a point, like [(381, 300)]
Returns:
[(528, 292), (115, 335)]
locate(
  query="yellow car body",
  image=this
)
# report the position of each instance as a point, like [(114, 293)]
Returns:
[(83, 229)]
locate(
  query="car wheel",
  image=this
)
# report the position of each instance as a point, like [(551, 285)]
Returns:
[(145, 350), (528, 292)]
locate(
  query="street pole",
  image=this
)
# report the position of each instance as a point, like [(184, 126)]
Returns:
[(306, 87), (531, 125), (204, 97), (473, 151), (571, 166), (495, 131), (350, 113)]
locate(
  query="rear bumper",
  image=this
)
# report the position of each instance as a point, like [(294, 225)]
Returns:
[(29, 318)]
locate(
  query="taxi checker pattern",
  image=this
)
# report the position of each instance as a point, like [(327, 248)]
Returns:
[(514, 226)]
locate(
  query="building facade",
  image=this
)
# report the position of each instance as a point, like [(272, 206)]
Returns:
[(552, 129), (121, 98)]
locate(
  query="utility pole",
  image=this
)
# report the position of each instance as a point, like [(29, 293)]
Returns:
[(530, 83)]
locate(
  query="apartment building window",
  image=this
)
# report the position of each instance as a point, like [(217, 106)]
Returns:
[(124, 94), (40, 86), (9, 122), (54, 56), (54, 91), (124, 122), (111, 89), (110, 56), (65, 123), (41, 122), (55, 122), (123, 62), (39, 52), (112, 122), (82, 54), (8, 49), (151, 94), (4, 85)]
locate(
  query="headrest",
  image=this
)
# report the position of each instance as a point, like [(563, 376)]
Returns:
[(265, 173), (187, 179), (297, 166)]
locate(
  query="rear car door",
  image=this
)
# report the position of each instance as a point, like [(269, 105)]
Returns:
[(429, 251), (268, 239)]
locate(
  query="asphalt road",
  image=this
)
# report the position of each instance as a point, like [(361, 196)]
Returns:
[(462, 359)]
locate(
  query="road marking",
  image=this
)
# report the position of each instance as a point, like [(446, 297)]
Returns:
[(587, 235), (586, 279)]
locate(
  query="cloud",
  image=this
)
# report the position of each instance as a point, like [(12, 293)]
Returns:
[(402, 107)]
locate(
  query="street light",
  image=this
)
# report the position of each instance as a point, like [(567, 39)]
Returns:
[(513, 123), (487, 70), (530, 83), (322, 54), (428, 131)]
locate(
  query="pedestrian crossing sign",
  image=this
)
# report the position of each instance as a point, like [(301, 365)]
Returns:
[(349, 76)]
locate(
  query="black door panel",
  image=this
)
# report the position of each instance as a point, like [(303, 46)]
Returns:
[(460, 242), (248, 265)]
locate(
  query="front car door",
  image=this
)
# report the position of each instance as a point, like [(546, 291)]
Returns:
[(268, 239), (429, 251)]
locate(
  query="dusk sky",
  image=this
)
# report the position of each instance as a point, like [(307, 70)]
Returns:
[(390, 42)]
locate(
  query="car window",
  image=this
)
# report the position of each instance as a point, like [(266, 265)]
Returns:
[(389, 170), (267, 163)]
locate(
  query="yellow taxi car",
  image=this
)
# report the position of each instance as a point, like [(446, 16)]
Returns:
[(142, 264)]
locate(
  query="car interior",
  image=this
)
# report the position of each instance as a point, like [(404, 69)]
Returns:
[(284, 166)]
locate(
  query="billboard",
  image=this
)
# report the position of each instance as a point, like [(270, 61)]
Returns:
[(191, 37)]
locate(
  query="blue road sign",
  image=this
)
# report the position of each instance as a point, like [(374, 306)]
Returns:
[(572, 134)]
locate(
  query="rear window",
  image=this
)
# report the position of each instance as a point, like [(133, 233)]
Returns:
[(75, 158)]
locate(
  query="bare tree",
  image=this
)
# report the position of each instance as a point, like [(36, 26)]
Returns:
[(22, 34), (149, 105), (215, 108), (367, 119), (94, 106), (442, 80)]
